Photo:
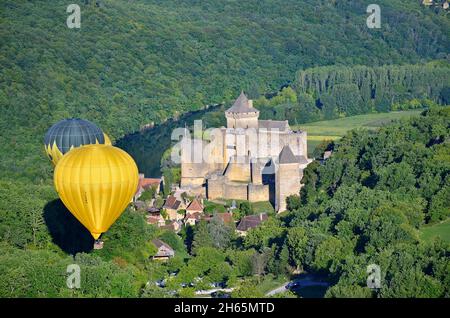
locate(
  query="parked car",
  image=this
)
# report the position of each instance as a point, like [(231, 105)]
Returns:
[(220, 294), (291, 285), (217, 285), (161, 283)]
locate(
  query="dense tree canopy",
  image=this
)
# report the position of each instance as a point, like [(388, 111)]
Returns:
[(368, 202), (336, 91), (142, 62)]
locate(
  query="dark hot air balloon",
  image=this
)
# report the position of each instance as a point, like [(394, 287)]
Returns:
[(70, 133)]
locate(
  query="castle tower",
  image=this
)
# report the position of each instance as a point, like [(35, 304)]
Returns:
[(242, 114), (287, 178)]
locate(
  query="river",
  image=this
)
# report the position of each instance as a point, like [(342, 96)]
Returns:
[(147, 146)]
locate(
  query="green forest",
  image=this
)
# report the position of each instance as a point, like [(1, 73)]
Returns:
[(133, 63), (328, 92), (365, 205)]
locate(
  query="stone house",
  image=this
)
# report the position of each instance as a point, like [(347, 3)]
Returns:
[(172, 205), (249, 222), (195, 206), (157, 220), (192, 218), (174, 226), (147, 183), (164, 250)]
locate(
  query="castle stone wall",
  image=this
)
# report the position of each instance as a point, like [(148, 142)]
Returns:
[(287, 182), (258, 192), (234, 190), (239, 171), (215, 187), (256, 170), (248, 120), (229, 177)]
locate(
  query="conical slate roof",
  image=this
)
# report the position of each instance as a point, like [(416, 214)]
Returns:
[(286, 156), (242, 105)]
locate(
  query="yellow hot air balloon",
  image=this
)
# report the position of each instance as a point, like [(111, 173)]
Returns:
[(107, 140), (96, 183)]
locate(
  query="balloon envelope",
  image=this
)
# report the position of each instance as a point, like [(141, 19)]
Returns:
[(96, 183), (70, 133), (107, 140)]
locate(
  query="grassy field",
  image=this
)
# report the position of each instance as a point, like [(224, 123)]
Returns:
[(219, 206), (336, 128), (269, 282), (262, 207), (440, 229)]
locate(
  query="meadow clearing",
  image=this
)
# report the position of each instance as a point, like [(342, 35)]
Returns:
[(441, 229), (336, 128)]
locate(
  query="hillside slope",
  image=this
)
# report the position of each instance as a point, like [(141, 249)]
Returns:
[(141, 61)]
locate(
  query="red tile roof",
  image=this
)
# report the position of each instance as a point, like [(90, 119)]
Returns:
[(195, 205), (195, 216), (153, 219), (148, 182), (172, 226), (226, 217), (172, 203)]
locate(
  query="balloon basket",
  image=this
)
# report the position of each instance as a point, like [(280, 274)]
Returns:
[(98, 244)]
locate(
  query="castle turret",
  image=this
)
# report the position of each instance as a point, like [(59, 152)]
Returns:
[(287, 178), (242, 114)]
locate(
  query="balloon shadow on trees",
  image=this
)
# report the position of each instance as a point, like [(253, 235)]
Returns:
[(66, 231)]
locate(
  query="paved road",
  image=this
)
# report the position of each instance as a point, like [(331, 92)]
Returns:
[(278, 290), (210, 291), (303, 282)]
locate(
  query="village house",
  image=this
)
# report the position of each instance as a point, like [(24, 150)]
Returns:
[(153, 210), (147, 183), (192, 218), (157, 220), (226, 217), (174, 226), (326, 155), (249, 222), (195, 206), (172, 205), (139, 205), (164, 250)]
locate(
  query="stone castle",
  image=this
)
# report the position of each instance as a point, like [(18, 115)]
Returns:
[(250, 159)]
